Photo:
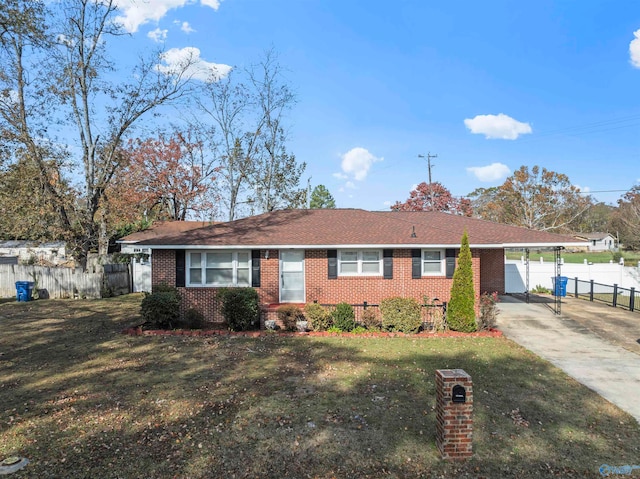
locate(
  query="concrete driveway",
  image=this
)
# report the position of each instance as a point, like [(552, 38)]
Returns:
[(594, 359)]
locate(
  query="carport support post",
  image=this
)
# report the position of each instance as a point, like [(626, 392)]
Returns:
[(454, 419)]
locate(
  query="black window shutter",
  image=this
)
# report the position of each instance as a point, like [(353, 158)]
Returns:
[(416, 263), (450, 262), (332, 263), (255, 268), (181, 269), (387, 263)]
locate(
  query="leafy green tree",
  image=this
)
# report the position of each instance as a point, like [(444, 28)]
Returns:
[(461, 315), (25, 204), (321, 198)]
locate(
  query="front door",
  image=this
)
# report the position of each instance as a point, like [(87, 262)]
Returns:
[(292, 276)]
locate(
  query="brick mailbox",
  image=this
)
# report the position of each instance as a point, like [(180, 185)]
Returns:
[(454, 414)]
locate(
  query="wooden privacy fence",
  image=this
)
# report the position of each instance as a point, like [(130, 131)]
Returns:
[(114, 279)]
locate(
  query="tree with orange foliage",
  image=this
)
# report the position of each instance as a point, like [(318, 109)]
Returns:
[(166, 178), (434, 197)]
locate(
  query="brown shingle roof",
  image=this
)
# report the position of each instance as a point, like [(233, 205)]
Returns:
[(163, 228), (343, 227)]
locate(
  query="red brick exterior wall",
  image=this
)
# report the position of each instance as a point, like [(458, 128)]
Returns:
[(353, 290), (492, 272), (373, 289)]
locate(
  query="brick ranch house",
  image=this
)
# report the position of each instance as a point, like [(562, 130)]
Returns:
[(335, 255)]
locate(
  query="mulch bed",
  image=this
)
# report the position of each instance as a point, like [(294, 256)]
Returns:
[(138, 331)]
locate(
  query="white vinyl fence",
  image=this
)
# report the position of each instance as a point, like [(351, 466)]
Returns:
[(541, 274), (59, 283)]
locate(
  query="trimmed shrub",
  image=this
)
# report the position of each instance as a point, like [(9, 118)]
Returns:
[(289, 315), (401, 314), (343, 317), (161, 309), (164, 288), (371, 319), (193, 319), (240, 308), (488, 311), (318, 316), (461, 314)]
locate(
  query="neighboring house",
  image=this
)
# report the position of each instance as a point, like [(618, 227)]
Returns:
[(141, 262), (335, 255), (599, 241), (51, 253)]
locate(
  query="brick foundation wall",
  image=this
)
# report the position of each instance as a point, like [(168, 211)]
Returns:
[(454, 421), (353, 290)]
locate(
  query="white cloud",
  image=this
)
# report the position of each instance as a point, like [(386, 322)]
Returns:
[(340, 176), (583, 189), (634, 49), (492, 172), (174, 60), (186, 28), (357, 162), (136, 13), (350, 185), (500, 126), (158, 35)]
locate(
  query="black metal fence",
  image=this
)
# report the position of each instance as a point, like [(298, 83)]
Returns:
[(614, 295), (432, 314)]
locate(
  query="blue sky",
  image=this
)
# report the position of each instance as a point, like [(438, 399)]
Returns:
[(487, 86)]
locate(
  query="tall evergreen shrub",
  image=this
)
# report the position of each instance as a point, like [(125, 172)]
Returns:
[(240, 308), (461, 315)]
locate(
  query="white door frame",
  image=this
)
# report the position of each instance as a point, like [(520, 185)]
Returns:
[(292, 262)]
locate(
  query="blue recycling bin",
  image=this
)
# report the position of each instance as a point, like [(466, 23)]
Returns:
[(24, 289), (560, 287)]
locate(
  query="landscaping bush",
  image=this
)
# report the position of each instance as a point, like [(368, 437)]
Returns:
[(161, 308), (343, 317), (289, 315), (461, 314), (371, 319), (240, 308), (164, 288), (318, 317), (488, 311), (539, 289), (193, 319), (438, 320), (401, 314)]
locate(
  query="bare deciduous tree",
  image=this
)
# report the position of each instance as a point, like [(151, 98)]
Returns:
[(56, 73), (248, 137)]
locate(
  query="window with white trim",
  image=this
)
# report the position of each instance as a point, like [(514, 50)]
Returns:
[(219, 268), (360, 263), (433, 262)]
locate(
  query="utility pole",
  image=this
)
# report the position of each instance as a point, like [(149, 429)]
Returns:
[(429, 156)]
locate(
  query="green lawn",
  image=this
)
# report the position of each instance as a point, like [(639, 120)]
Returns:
[(81, 400), (630, 257)]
